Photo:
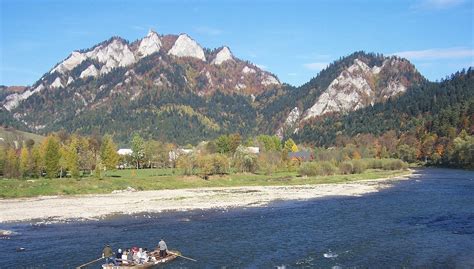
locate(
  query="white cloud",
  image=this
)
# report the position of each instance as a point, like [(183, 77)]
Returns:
[(208, 30), (316, 66), (433, 54), (437, 4)]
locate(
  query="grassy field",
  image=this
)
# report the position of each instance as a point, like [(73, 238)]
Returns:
[(8, 135), (159, 179)]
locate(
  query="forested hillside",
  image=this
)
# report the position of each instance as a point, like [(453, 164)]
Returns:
[(431, 119)]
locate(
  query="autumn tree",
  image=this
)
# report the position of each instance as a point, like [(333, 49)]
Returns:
[(290, 146), (72, 156), (11, 164), (108, 153), (24, 162), (51, 156)]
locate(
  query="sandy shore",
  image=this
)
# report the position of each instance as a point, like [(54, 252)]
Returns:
[(91, 207)]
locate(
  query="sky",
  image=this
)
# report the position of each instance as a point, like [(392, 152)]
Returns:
[(292, 39)]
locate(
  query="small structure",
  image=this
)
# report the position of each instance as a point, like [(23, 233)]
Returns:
[(302, 156), (253, 150), (124, 152)]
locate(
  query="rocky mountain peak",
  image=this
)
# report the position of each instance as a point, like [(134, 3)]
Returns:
[(150, 44), (223, 55), (74, 59), (358, 86), (185, 46)]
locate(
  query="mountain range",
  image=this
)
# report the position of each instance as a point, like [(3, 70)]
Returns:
[(168, 87)]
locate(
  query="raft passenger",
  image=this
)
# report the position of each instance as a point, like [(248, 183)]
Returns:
[(163, 248), (107, 253), (118, 257), (125, 256)]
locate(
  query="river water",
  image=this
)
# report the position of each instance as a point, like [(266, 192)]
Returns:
[(425, 222)]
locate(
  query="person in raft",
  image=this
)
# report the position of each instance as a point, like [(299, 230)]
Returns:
[(163, 248), (118, 257), (107, 253)]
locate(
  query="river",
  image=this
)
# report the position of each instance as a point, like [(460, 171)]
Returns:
[(424, 222)]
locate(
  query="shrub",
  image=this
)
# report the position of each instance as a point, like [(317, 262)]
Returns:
[(394, 164), (213, 164), (317, 169), (346, 168), (309, 169), (328, 168), (358, 166)]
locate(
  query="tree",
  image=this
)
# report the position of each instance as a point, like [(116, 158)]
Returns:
[(245, 161), (223, 144), (108, 153), (24, 162), (213, 164), (406, 153), (234, 142), (138, 149), (87, 158), (186, 162), (98, 168), (72, 157), (270, 143), (11, 164), (36, 161), (290, 146), (3, 156), (51, 156)]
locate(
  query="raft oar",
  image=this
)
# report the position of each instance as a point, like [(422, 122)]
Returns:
[(184, 257), (91, 262)]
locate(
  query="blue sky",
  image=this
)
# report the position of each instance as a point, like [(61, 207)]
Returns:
[(293, 39)]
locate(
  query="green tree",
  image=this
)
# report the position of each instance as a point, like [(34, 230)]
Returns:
[(406, 153), (36, 161), (3, 156), (223, 144), (108, 153), (138, 149), (72, 157), (51, 156), (270, 143)]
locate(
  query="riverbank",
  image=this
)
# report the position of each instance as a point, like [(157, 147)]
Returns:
[(94, 207), (166, 179)]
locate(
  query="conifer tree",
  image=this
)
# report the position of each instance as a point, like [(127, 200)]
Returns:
[(108, 153), (51, 156), (72, 157)]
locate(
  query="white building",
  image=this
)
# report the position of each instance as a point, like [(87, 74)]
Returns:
[(124, 152)]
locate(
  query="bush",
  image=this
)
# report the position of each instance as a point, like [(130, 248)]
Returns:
[(309, 169), (317, 169), (394, 164), (328, 168), (359, 167), (213, 164), (346, 168), (374, 163)]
